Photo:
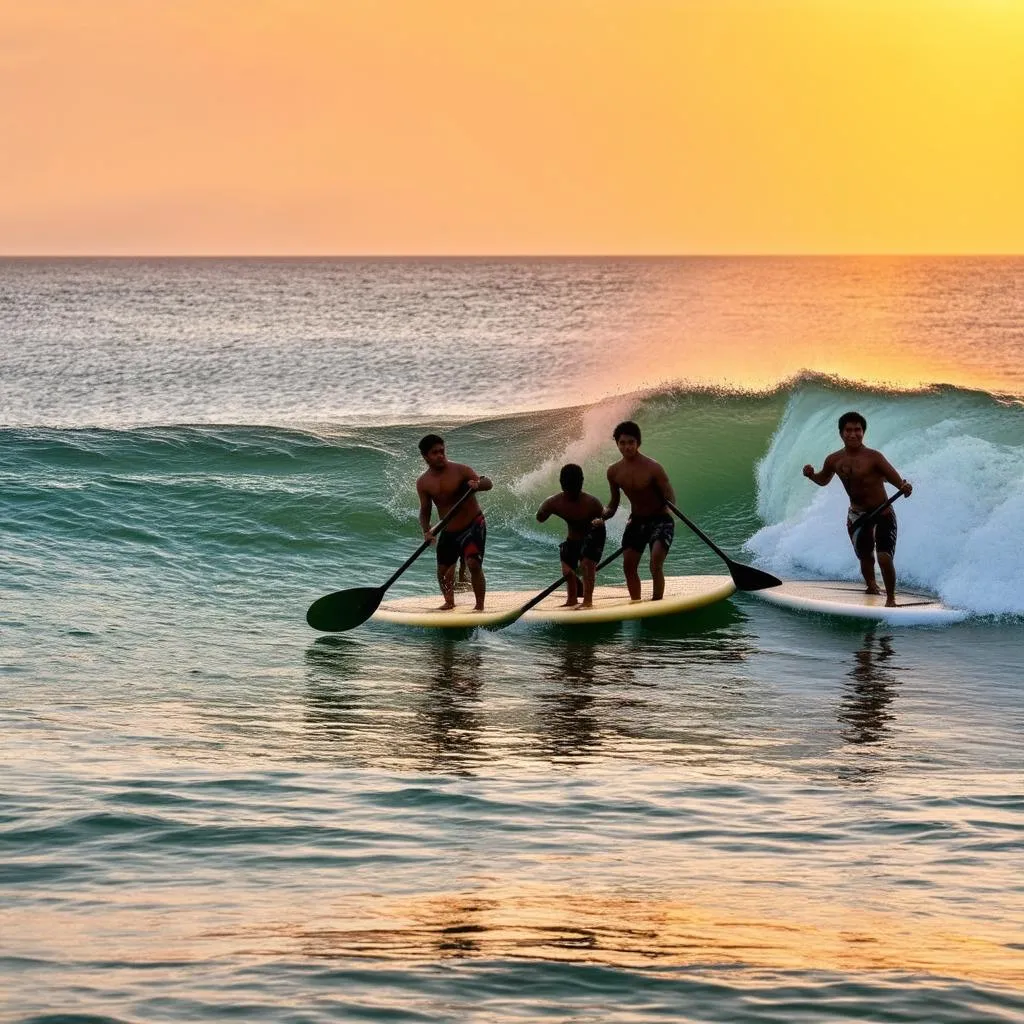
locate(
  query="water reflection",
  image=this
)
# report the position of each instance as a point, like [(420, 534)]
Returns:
[(747, 929), (668, 693), (568, 723), (868, 692), (866, 713), (448, 720)]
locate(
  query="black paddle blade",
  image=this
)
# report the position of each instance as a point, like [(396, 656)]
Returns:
[(746, 577), (344, 609)]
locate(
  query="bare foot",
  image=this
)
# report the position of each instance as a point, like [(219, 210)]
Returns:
[(586, 604), (872, 590), (446, 607), (890, 602), (478, 608), (569, 604)]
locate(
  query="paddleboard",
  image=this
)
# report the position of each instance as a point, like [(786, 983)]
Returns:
[(611, 604), (841, 597)]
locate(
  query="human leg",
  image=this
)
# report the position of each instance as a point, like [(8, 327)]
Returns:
[(630, 566), (658, 553)]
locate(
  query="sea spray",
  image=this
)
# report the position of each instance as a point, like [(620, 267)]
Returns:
[(961, 532)]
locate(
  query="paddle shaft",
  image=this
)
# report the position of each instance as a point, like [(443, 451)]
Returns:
[(426, 544), (700, 533), (867, 517), (746, 577), (554, 586)]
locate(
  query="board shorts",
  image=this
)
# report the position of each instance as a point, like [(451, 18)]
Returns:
[(879, 535), (468, 542), (646, 531), (591, 546)]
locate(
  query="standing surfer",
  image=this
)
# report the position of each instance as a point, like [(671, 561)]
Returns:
[(646, 484), (864, 473), (585, 541), (442, 484)]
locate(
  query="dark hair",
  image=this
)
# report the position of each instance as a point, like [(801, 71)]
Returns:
[(852, 417), (627, 427), (571, 478), (428, 442)]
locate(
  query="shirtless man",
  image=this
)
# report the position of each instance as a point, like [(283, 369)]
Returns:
[(585, 541), (649, 525), (864, 473), (442, 485)]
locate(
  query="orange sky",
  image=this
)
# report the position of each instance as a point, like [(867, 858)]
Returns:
[(511, 126)]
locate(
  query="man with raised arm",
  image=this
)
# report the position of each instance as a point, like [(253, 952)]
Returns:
[(864, 473), (646, 484), (442, 485)]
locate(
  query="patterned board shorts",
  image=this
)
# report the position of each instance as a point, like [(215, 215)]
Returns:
[(470, 542), (591, 546), (879, 535), (646, 531)]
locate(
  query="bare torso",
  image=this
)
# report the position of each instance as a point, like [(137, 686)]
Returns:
[(578, 513), (444, 487), (644, 482), (863, 473)]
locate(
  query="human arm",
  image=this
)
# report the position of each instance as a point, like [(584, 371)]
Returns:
[(425, 510), (613, 503), (475, 482), (821, 478), (661, 481), (893, 477), (544, 512)]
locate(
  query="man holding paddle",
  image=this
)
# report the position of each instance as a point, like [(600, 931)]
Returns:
[(870, 521), (443, 484), (650, 494)]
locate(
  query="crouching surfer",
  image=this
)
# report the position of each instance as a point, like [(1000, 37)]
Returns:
[(864, 473), (442, 484), (585, 541)]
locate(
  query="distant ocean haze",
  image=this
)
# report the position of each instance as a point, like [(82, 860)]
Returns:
[(280, 342)]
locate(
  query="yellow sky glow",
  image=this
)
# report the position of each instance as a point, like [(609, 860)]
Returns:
[(511, 126)]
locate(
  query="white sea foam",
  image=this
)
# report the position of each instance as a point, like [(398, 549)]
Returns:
[(961, 533), (596, 425)]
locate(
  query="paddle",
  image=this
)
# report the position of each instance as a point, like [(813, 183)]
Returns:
[(536, 600), (866, 517), (346, 609), (746, 577)]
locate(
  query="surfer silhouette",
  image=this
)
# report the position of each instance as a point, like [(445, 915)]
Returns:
[(864, 473), (646, 484), (442, 484), (585, 541)]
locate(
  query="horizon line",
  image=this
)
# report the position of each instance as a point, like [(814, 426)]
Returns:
[(504, 256)]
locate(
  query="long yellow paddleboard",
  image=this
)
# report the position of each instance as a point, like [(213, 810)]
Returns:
[(611, 604)]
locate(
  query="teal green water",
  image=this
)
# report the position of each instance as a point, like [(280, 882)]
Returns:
[(209, 811)]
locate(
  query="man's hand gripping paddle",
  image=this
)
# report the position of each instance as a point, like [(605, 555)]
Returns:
[(346, 609)]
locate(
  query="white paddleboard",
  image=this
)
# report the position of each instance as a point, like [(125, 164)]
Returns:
[(841, 597), (611, 604)]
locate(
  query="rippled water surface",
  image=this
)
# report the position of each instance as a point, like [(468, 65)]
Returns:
[(210, 812)]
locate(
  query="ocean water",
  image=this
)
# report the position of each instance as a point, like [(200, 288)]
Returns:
[(208, 811)]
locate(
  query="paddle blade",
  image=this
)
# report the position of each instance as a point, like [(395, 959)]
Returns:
[(746, 577), (344, 609)]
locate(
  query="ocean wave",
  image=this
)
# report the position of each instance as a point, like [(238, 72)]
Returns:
[(734, 458)]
